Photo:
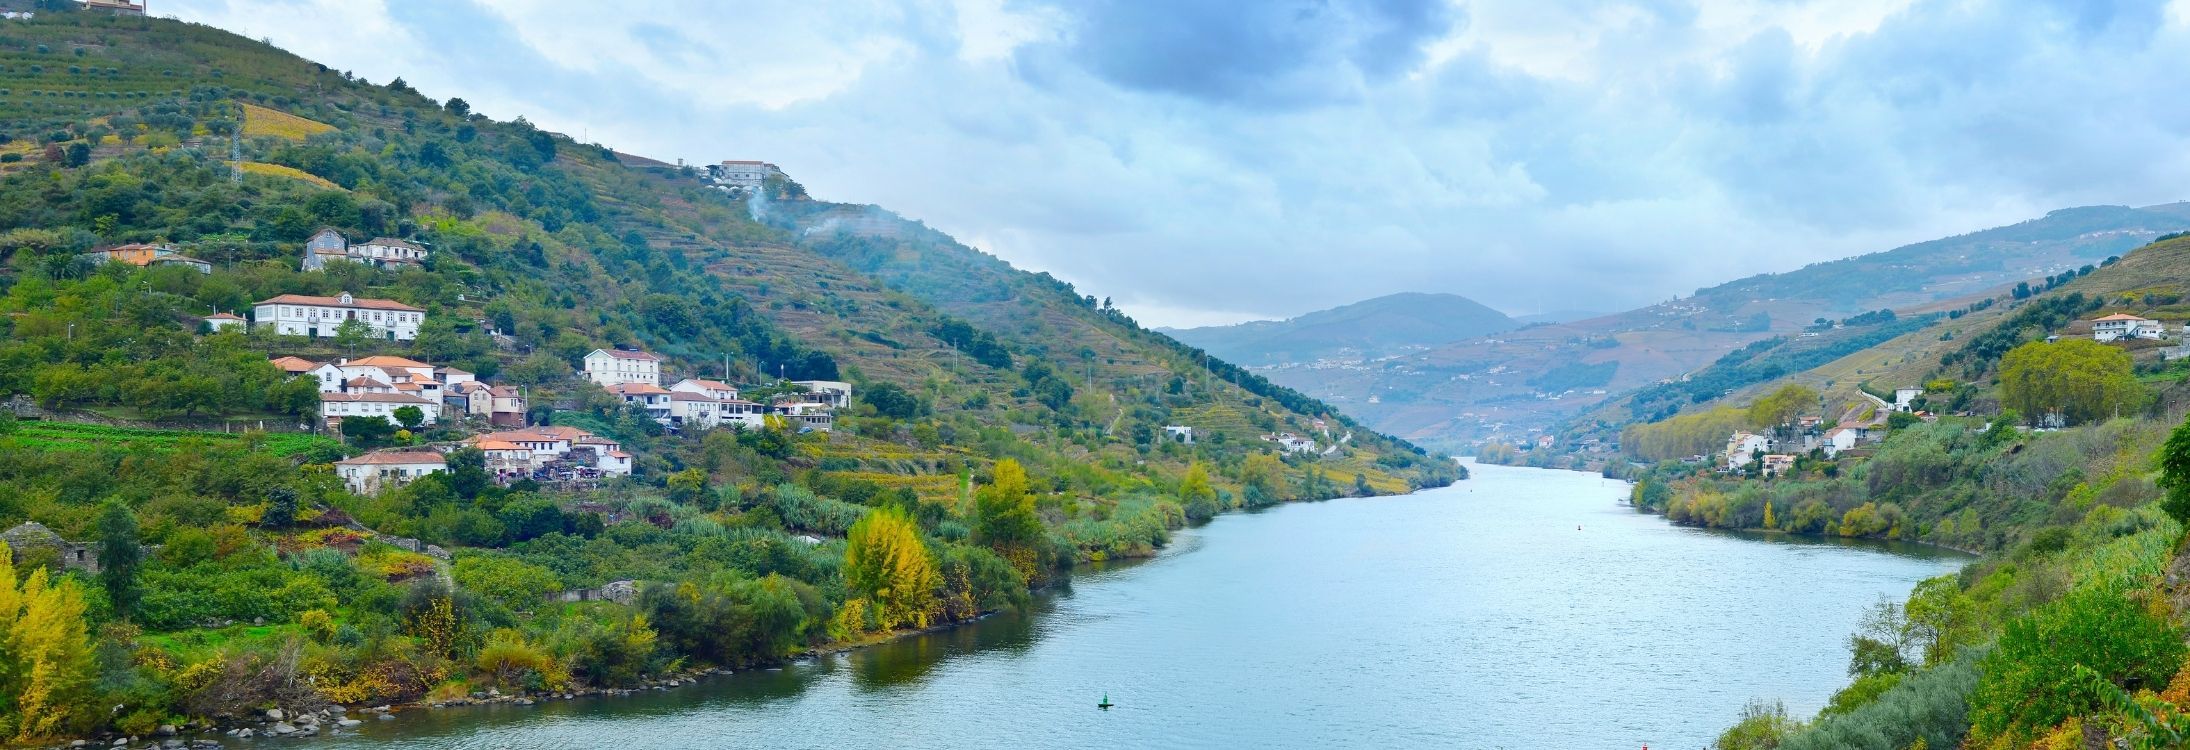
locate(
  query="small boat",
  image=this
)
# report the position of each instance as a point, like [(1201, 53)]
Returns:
[(1106, 704)]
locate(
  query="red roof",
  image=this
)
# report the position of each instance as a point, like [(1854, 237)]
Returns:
[(222, 316), (376, 398), (356, 302), (2118, 316), (396, 457), (295, 364), (636, 389), (388, 360)]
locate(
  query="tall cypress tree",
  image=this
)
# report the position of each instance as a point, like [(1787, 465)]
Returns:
[(120, 555)]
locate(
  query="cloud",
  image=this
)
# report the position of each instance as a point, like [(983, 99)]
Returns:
[(1204, 160)]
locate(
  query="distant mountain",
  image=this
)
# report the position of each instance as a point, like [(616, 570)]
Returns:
[(1559, 316), (1367, 329), (1529, 379)]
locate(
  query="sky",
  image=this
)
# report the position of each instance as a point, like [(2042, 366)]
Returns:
[(1210, 161)]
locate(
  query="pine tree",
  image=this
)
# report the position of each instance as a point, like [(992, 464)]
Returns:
[(120, 554), (1769, 521)]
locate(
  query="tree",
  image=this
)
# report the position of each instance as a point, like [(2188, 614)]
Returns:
[(410, 417), (1782, 406), (1004, 517), (2078, 379), (120, 554), (893, 401), (281, 509), (2174, 460), (1196, 495), (46, 665), (468, 472), (459, 107), (351, 334), (2023, 686), (886, 564), (77, 155), (367, 430)]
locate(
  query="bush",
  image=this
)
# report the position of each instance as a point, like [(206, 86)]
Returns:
[(2105, 629), (1931, 706)]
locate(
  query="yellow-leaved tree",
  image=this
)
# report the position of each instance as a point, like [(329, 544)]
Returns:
[(1004, 519), (46, 666), (887, 565)]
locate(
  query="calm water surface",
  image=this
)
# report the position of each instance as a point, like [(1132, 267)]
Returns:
[(1476, 616)]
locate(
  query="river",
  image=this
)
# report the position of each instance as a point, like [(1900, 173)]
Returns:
[(1522, 608)]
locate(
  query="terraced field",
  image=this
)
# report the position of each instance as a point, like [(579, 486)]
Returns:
[(86, 437)]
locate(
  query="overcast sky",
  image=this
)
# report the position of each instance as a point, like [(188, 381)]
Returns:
[(1208, 161)]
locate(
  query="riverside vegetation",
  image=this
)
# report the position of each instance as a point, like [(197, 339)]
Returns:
[(997, 441), (2069, 631)]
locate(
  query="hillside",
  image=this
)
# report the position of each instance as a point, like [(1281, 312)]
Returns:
[(1368, 329), (1001, 428), (1494, 386), (2056, 454)]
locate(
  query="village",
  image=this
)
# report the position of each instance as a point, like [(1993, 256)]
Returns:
[(409, 394)]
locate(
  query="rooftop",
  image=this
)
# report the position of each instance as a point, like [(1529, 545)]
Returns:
[(394, 457), (355, 302)]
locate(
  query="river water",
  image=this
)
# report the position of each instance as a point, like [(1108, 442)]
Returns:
[(1522, 608)]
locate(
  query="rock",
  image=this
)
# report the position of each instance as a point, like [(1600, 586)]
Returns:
[(387, 717), (346, 723), (276, 714), (246, 732), (120, 741), (172, 744), (78, 743), (167, 730), (524, 701), (283, 727)]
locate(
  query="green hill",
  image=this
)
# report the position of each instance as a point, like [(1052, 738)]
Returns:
[(1363, 330), (1493, 387), (1005, 427), (2042, 450)]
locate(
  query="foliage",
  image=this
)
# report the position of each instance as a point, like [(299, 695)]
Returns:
[(2079, 379), (886, 563), (2024, 687)]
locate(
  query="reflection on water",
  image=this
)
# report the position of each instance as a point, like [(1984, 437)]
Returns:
[(1523, 608)]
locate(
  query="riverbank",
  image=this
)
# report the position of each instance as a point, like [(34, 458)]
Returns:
[(1224, 639)]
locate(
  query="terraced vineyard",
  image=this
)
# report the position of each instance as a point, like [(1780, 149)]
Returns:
[(72, 436)]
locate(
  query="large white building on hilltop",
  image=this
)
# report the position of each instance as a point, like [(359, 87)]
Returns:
[(619, 366), (749, 175), (301, 315)]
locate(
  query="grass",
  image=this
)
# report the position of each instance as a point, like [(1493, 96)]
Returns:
[(277, 170), (72, 436), (259, 121)]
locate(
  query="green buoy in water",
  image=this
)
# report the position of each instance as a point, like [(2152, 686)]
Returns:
[(1106, 704)]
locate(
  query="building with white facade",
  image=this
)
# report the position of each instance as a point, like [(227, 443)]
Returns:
[(218, 322), (710, 388), (835, 394), (1743, 446), (743, 174), (617, 366), (334, 407), (1904, 399), (318, 317), (380, 252), (372, 472), (2121, 326)]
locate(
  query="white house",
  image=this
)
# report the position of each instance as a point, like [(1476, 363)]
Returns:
[(1842, 438), (372, 472), (2121, 326), (218, 322), (837, 394), (614, 366), (1778, 463), (505, 459), (807, 415), (743, 173), (301, 315), (1904, 399), (1179, 432), (1292, 443), (1742, 446), (294, 366), (328, 244), (335, 406), (700, 410), (710, 388)]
